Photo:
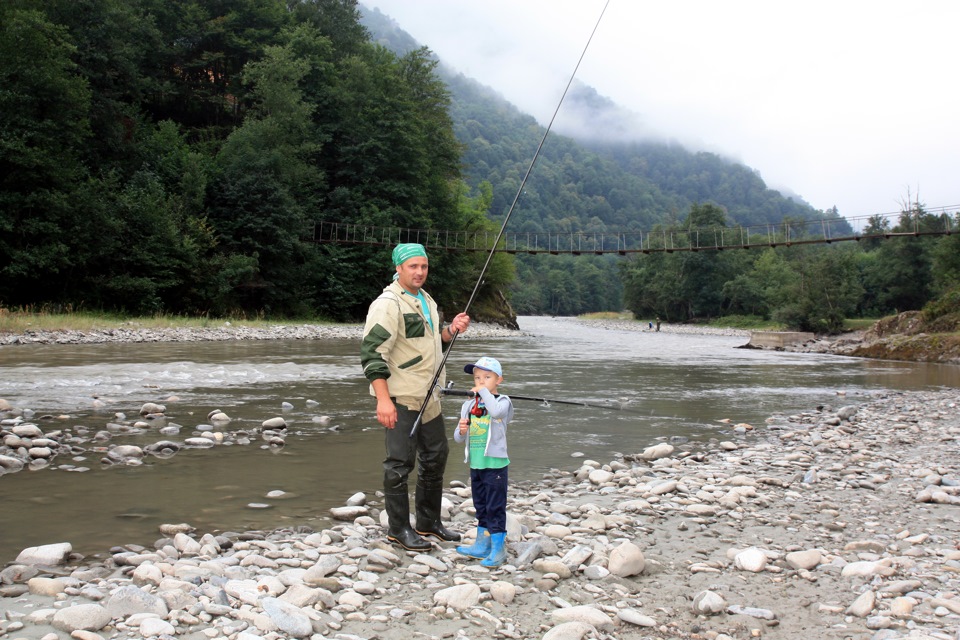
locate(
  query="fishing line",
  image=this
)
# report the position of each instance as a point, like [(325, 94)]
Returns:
[(447, 391), (503, 227)]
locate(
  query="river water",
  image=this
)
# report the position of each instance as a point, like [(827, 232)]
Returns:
[(673, 385)]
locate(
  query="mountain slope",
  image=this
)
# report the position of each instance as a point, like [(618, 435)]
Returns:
[(599, 176), (598, 172)]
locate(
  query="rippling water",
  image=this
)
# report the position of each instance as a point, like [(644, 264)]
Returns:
[(673, 385)]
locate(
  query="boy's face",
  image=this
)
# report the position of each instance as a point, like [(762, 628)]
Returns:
[(484, 378)]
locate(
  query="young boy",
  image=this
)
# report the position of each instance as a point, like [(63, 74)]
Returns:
[(483, 427)]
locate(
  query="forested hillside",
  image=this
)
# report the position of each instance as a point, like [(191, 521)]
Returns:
[(607, 181), (589, 184), (177, 155)]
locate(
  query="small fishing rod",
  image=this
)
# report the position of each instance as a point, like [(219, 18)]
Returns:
[(503, 227), (447, 391)]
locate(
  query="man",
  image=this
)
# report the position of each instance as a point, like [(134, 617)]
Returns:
[(402, 347)]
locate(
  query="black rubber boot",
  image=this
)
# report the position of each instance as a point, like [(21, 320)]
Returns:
[(400, 531), (428, 514)]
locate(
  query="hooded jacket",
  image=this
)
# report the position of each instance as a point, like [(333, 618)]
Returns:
[(500, 410)]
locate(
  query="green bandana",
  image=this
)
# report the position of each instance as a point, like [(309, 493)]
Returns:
[(403, 252)]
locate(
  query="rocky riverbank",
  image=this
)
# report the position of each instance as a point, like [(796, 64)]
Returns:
[(906, 336), (683, 329), (225, 331), (922, 347), (839, 522)]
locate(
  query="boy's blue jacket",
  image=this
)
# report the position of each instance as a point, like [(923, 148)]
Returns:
[(500, 409)]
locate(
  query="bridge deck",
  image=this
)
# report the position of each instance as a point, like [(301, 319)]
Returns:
[(791, 233)]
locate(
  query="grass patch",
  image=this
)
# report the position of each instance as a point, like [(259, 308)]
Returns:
[(753, 323), (858, 324), (608, 315), (20, 321)]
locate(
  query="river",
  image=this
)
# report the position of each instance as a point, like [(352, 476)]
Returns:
[(673, 386)]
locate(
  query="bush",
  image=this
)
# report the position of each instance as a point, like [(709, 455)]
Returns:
[(947, 304)]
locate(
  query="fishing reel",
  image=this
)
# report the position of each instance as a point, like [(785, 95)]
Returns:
[(450, 391)]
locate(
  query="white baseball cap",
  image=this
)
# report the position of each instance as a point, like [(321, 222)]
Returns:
[(487, 364)]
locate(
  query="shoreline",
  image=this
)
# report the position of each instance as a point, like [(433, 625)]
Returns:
[(839, 522), (222, 333), (850, 344), (227, 331)]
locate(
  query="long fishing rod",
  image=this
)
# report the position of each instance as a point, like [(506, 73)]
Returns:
[(447, 391), (503, 227)]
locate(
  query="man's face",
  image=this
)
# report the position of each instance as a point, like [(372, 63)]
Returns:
[(413, 273)]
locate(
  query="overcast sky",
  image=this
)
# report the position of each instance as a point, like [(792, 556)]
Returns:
[(848, 103)]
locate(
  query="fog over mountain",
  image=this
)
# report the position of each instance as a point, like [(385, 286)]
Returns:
[(677, 165), (848, 104)]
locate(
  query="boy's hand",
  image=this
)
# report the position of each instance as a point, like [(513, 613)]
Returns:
[(464, 424)]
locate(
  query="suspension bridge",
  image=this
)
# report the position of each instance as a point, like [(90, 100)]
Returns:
[(928, 222)]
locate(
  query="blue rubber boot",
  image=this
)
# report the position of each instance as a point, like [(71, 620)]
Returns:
[(498, 553), (481, 546)]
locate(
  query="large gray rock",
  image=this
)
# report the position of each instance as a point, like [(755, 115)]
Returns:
[(574, 630), (9, 464), (288, 618), (657, 451), (325, 566), (154, 627), (48, 554), (586, 614), (709, 603), (626, 560), (459, 597), (129, 600), (81, 617), (150, 408)]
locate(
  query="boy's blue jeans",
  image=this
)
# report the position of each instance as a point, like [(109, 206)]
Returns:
[(489, 488)]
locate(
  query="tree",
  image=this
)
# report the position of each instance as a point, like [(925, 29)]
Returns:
[(269, 184), (337, 20), (877, 225), (946, 262), (44, 109), (825, 292), (195, 74), (115, 41), (762, 287), (681, 285)]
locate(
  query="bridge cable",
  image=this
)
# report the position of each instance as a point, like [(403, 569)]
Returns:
[(503, 227)]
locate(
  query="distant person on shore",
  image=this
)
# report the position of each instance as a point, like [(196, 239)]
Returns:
[(401, 350), (658, 323), (483, 429), (651, 324)]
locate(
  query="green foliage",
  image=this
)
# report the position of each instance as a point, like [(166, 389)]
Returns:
[(945, 256), (565, 284), (826, 292), (808, 288), (755, 323), (44, 107), (683, 285), (175, 156), (947, 304)]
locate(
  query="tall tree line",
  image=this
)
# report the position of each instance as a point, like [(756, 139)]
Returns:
[(807, 287), (175, 155)]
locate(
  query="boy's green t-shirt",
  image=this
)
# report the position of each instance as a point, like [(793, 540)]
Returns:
[(479, 426)]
